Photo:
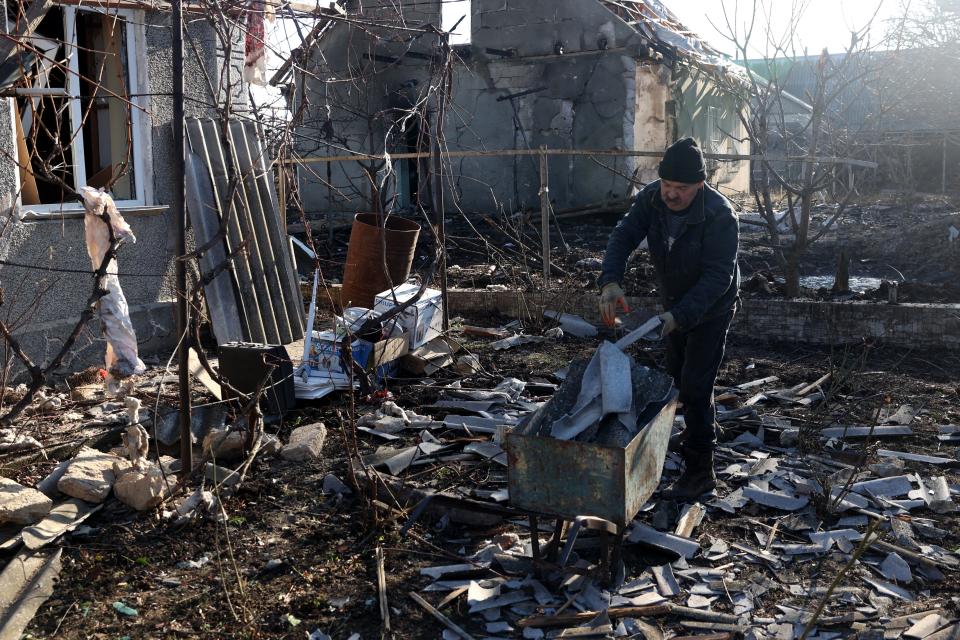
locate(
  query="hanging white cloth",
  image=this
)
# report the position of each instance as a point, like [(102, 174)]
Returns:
[(122, 360)]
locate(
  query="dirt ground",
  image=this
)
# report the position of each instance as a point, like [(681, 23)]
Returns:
[(286, 560)]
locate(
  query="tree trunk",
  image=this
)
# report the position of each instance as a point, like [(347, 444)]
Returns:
[(841, 281)]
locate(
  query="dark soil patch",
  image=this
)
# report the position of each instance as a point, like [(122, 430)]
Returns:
[(327, 578)]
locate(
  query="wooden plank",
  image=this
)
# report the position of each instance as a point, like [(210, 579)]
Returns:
[(198, 372), (689, 520), (813, 385), (545, 214), (382, 592), (757, 383)]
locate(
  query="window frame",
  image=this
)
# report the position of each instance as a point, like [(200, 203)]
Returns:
[(137, 86)]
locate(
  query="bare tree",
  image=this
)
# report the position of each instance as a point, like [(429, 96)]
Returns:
[(811, 129)]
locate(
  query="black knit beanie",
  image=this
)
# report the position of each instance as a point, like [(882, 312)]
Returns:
[(683, 162)]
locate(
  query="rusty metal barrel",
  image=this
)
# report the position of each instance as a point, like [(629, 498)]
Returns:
[(363, 273)]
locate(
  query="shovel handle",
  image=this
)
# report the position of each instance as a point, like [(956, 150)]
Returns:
[(638, 333)]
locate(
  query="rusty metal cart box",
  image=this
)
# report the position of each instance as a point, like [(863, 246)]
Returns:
[(567, 478)]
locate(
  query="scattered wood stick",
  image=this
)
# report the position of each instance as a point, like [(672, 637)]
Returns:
[(382, 591), (710, 626), (447, 622), (690, 520), (772, 537), (453, 595), (813, 385), (667, 609)]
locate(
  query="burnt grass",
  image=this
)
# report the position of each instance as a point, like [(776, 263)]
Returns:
[(327, 576)]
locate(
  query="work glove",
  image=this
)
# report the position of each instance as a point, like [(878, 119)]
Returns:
[(612, 297), (669, 324)]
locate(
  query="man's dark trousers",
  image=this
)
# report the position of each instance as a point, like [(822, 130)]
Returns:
[(693, 359)]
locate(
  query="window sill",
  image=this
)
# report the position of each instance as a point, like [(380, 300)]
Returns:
[(77, 212)]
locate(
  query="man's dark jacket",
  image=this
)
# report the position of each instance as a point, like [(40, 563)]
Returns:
[(699, 278)]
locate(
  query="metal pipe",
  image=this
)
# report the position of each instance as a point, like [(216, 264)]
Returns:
[(180, 210)]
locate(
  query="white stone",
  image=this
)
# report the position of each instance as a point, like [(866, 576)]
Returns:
[(224, 443), (306, 443), (270, 445), (90, 475), (20, 504), (141, 489)]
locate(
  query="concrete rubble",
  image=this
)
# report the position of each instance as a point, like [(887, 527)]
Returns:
[(90, 475), (20, 504), (306, 443)]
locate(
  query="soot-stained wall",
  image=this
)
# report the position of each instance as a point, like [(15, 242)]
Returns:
[(587, 82)]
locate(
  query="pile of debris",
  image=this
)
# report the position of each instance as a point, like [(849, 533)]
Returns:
[(736, 563)]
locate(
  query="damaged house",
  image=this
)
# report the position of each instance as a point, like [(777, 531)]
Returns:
[(566, 75), (88, 103)]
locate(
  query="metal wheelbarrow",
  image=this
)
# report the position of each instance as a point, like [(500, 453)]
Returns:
[(570, 480)]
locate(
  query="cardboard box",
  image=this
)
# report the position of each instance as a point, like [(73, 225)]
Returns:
[(423, 320), (324, 358), (431, 357), (377, 355)]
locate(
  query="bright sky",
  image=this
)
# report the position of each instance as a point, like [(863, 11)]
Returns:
[(824, 23)]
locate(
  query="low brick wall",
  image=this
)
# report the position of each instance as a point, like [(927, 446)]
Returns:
[(805, 321)]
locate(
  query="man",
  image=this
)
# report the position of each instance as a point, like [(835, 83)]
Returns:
[(693, 238)]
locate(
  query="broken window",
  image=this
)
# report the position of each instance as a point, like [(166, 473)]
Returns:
[(713, 128), (455, 18), (76, 125)]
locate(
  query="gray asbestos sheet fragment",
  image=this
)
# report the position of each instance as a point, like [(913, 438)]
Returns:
[(540, 593), (886, 487), (848, 500), (666, 582), (479, 594), (942, 501), (500, 601), (574, 325), (826, 539), (896, 568), (926, 626), (489, 450), (774, 499), (914, 457), (866, 432), (684, 547), (888, 589), (615, 379), (62, 518), (588, 407), (577, 421)]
